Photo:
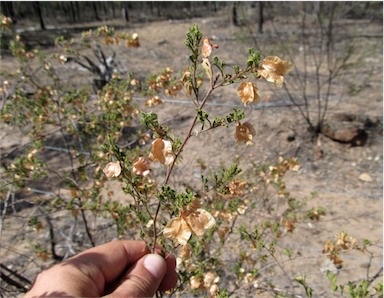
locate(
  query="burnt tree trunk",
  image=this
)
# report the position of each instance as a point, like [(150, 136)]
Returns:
[(126, 11), (73, 11), (77, 10), (94, 6), (233, 19), (113, 10), (37, 8), (7, 9), (213, 6), (261, 17)]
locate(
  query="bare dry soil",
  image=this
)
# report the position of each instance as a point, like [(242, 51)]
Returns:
[(330, 172)]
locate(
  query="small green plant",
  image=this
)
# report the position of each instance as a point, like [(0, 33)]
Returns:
[(355, 289), (308, 290)]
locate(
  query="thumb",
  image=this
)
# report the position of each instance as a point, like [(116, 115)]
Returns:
[(143, 279)]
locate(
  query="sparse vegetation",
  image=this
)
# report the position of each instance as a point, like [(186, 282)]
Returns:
[(97, 165)]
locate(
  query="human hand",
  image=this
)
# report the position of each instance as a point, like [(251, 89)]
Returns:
[(121, 268)]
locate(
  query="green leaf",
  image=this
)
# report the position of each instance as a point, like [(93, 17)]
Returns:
[(218, 121), (303, 282), (202, 116), (149, 120), (253, 59), (332, 278), (236, 115)]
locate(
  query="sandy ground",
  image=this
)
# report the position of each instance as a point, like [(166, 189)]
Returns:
[(329, 169)]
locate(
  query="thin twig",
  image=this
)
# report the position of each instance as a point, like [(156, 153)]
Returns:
[(373, 278)]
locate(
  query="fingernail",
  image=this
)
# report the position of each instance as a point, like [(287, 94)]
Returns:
[(155, 264)]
